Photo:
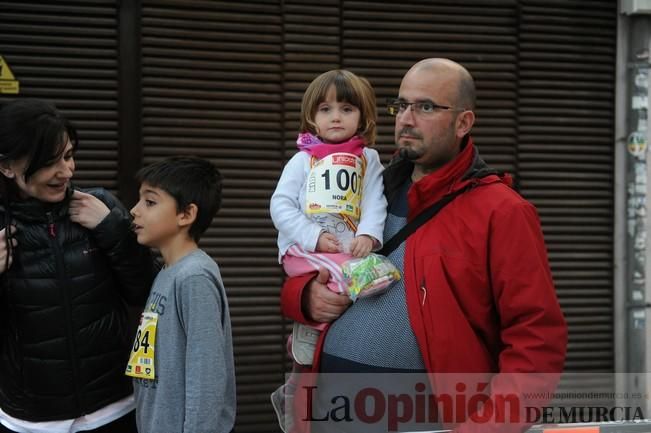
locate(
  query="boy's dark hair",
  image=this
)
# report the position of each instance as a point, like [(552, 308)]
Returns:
[(188, 180)]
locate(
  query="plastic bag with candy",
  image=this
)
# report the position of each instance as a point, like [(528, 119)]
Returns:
[(369, 275)]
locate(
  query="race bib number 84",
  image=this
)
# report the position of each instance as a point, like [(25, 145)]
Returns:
[(141, 360), (334, 185)]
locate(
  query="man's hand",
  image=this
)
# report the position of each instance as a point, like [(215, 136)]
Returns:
[(361, 246), (87, 210), (320, 303), (328, 243)]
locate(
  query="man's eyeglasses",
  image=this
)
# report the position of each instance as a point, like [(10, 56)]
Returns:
[(421, 108)]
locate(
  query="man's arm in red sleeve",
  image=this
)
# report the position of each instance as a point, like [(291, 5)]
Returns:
[(291, 296), (532, 327)]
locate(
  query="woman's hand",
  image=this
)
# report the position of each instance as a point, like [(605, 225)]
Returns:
[(87, 210), (4, 250)]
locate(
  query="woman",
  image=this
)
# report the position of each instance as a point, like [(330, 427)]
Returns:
[(69, 265)]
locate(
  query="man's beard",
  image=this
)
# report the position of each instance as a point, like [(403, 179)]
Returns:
[(409, 153)]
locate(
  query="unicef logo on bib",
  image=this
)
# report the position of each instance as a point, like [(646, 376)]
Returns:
[(334, 185)]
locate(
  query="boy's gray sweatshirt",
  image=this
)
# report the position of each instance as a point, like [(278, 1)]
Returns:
[(194, 389)]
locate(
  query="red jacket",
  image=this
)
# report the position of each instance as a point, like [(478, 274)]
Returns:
[(479, 291)]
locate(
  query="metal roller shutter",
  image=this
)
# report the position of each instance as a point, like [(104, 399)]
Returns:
[(311, 46), (66, 52), (211, 85), (223, 80), (565, 151)]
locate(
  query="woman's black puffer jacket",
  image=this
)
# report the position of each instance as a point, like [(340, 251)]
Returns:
[(64, 337)]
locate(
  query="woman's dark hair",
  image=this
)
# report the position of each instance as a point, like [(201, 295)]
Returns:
[(34, 130)]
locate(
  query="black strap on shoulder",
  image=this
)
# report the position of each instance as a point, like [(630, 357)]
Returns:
[(419, 220)]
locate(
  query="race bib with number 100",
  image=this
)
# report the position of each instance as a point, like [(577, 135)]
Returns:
[(334, 185), (141, 360)]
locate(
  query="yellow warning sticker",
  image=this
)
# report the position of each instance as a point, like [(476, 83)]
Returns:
[(8, 83)]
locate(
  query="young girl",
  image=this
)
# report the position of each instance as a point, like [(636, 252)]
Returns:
[(329, 203)]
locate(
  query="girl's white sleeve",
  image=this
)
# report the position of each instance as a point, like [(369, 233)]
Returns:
[(374, 203), (293, 226)]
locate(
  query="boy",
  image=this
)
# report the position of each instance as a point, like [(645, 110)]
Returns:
[(182, 357)]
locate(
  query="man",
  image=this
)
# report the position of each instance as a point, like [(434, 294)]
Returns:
[(477, 294)]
